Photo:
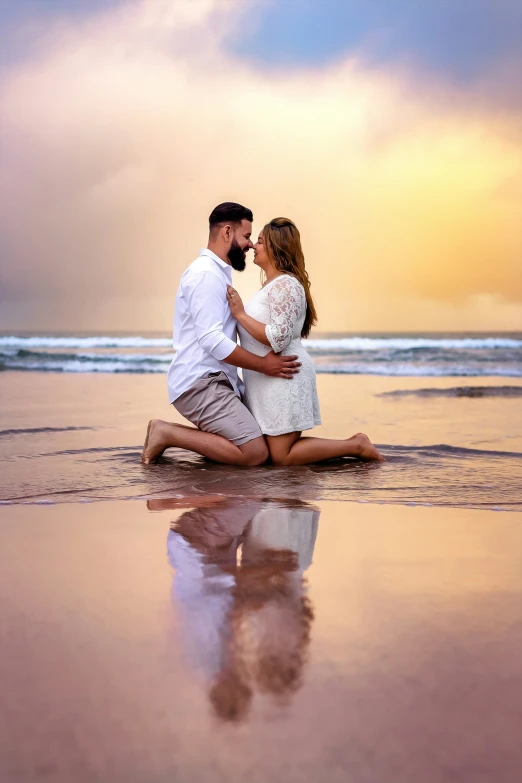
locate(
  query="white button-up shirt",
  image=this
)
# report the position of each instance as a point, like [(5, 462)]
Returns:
[(205, 331)]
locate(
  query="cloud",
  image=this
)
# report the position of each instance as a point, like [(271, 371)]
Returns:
[(459, 40), (124, 130)]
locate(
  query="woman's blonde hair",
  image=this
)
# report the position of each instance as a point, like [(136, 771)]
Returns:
[(283, 245)]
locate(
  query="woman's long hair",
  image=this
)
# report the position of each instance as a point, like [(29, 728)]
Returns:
[(283, 245)]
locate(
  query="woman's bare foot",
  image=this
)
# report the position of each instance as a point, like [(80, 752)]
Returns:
[(154, 442), (367, 449)]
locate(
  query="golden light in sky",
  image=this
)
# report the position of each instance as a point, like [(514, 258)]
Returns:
[(122, 132)]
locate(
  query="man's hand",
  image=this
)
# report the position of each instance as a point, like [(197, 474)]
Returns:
[(273, 364), (278, 366)]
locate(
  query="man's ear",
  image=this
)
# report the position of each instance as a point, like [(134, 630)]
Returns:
[(227, 232)]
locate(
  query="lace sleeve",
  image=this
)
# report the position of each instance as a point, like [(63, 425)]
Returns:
[(287, 302)]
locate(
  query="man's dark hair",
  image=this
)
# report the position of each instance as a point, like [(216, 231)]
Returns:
[(229, 212)]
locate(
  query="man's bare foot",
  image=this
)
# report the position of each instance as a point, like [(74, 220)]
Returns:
[(153, 446), (367, 449)]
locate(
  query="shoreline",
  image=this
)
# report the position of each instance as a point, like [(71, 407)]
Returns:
[(69, 437)]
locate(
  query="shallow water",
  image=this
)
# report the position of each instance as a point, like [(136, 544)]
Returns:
[(65, 438), (236, 640), (431, 475)]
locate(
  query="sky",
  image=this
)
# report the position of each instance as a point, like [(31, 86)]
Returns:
[(390, 132)]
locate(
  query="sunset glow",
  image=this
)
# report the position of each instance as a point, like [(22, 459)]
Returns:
[(122, 129)]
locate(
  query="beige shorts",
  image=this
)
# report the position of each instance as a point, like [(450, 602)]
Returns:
[(212, 406)]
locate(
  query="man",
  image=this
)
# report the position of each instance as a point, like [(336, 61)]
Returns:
[(203, 382)]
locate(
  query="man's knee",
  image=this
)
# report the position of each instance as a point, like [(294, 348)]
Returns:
[(255, 452)]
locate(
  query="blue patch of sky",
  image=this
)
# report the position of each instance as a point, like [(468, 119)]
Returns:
[(460, 38)]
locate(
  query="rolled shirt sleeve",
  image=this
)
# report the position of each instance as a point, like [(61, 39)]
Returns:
[(206, 297)]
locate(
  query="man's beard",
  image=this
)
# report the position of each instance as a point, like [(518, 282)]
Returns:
[(236, 256)]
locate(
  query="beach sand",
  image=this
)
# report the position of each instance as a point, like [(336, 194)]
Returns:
[(409, 667), (119, 407), (259, 624)]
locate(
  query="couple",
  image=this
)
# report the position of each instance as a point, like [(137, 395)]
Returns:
[(263, 419)]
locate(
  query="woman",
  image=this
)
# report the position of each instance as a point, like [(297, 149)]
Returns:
[(276, 318)]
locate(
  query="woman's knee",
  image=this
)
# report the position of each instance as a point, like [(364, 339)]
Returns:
[(279, 457), (280, 447), (280, 462)]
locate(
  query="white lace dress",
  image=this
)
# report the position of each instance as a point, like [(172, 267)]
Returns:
[(280, 405)]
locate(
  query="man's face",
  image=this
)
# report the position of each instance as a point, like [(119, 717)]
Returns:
[(240, 245)]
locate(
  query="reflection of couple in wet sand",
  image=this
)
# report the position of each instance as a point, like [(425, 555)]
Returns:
[(240, 594), (263, 418)]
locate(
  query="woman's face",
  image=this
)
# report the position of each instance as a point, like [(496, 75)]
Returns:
[(261, 258)]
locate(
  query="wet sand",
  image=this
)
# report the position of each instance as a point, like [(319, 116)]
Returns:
[(258, 624), (116, 408), (67, 437), (237, 640)]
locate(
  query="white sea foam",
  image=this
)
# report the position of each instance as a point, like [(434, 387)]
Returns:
[(73, 365), (409, 343), (420, 370), (325, 344), (84, 342), (117, 365)]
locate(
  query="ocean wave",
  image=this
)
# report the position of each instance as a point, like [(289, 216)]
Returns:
[(13, 341), (321, 345), (46, 361), (109, 365), (93, 357), (409, 343), (118, 365), (388, 356), (417, 370)]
